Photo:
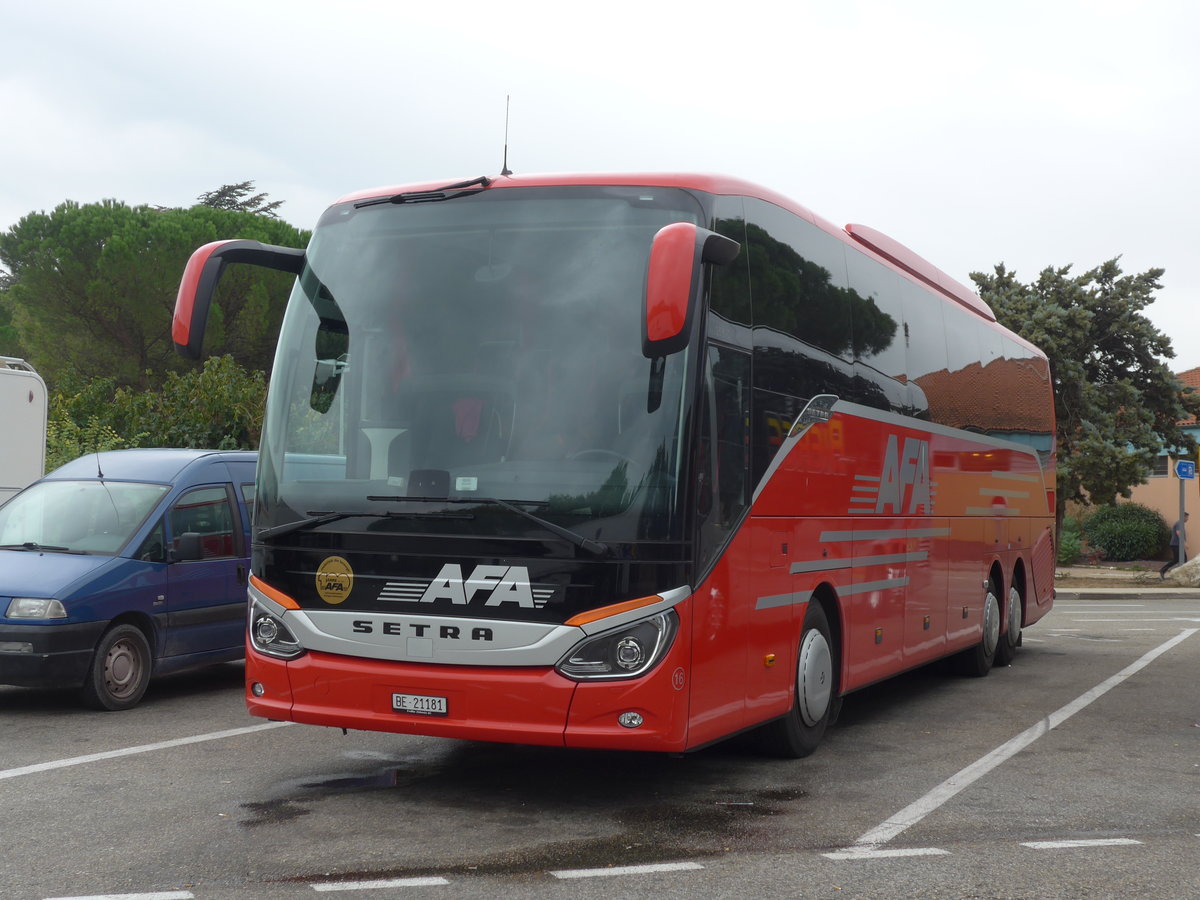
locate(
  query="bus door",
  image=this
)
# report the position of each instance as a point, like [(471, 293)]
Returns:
[(726, 600)]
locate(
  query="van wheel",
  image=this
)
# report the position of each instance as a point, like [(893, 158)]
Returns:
[(799, 732), (120, 670), (977, 661), (1006, 649)]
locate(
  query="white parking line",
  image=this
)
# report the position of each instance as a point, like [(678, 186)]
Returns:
[(960, 781), (1066, 845), (1170, 619), (871, 853), (131, 751), (1092, 606), (626, 870), (379, 884)]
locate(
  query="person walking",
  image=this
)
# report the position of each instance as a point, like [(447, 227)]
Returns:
[(1178, 546)]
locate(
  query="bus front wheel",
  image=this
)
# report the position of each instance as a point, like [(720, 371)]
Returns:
[(799, 732)]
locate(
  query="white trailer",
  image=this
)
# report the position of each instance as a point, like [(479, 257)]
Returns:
[(23, 414)]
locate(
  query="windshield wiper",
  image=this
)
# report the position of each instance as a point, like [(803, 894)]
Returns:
[(33, 545), (596, 548), (317, 518), (449, 192)]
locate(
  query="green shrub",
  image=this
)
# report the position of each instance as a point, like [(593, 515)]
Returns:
[(1070, 542), (1126, 531), (218, 407)]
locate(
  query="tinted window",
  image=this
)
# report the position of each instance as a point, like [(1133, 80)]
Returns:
[(879, 342), (925, 343), (206, 512), (1029, 398), (729, 289), (799, 279)]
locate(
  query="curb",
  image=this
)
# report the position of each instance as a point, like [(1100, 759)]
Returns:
[(1127, 593)]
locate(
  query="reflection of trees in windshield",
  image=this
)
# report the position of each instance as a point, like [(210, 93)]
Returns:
[(797, 296), (609, 499), (616, 496)]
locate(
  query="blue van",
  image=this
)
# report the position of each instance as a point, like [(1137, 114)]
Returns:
[(122, 565)]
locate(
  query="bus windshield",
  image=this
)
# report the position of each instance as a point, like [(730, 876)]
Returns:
[(439, 356)]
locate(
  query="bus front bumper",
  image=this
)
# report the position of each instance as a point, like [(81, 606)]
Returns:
[(510, 705)]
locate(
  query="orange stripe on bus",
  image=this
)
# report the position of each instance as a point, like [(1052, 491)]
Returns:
[(605, 611), (278, 596)]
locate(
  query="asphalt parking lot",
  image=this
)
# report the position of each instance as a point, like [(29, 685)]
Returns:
[(1074, 772)]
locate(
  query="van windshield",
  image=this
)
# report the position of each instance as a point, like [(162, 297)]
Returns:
[(77, 516)]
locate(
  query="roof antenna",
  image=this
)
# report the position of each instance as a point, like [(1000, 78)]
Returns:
[(505, 170)]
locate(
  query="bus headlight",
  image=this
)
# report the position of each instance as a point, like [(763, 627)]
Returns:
[(625, 652), (269, 635)]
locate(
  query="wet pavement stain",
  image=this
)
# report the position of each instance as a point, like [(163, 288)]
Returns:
[(388, 778), (272, 812), (705, 820)]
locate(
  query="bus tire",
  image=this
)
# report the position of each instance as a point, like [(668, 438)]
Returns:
[(977, 661), (798, 733), (120, 670), (1006, 649)]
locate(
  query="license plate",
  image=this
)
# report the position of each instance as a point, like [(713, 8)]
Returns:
[(420, 705)]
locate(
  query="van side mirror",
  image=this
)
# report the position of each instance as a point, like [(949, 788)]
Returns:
[(199, 284), (188, 548), (672, 279)]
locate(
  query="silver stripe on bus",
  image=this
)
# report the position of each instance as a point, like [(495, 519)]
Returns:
[(833, 537), (868, 586), (782, 600), (830, 565), (798, 597)]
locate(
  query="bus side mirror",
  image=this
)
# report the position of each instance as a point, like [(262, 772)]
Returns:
[(199, 284), (672, 279)]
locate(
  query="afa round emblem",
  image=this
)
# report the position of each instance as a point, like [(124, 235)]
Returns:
[(335, 580)]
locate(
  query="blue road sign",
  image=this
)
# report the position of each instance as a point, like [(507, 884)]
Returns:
[(1185, 468)]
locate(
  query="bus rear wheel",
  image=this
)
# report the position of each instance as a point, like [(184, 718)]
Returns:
[(799, 732), (977, 661), (1006, 649)]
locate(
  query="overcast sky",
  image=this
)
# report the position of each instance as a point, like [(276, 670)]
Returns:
[(1039, 133)]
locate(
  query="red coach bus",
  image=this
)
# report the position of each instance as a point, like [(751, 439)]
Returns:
[(628, 461)]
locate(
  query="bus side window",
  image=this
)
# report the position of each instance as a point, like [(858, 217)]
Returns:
[(723, 464)]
